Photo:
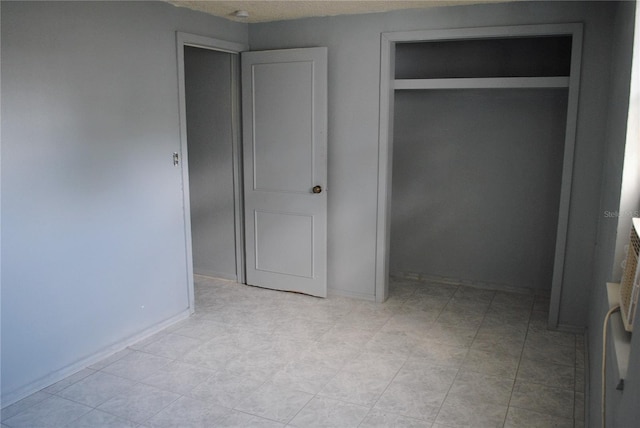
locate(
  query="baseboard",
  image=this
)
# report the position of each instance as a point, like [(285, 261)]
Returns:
[(344, 293), (58, 375), (214, 274), (493, 286)]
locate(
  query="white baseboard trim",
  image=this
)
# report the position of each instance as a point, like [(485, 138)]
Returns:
[(213, 274), (494, 286), (45, 381), (343, 293)]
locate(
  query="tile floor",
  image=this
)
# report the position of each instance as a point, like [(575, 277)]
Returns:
[(433, 355)]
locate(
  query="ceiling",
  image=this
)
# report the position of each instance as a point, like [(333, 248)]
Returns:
[(277, 10)]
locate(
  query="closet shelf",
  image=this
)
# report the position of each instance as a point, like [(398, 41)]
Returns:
[(483, 83)]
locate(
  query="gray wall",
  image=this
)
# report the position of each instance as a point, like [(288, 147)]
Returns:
[(622, 407), (93, 244), (476, 184), (92, 225), (209, 136), (354, 64)]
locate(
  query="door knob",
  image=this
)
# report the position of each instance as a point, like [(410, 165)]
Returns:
[(317, 189)]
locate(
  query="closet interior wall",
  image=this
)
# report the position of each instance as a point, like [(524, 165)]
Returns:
[(477, 169)]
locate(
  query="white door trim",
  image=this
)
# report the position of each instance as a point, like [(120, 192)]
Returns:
[(182, 40), (385, 142)]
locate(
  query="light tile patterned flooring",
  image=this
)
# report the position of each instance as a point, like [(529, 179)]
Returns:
[(433, 355)]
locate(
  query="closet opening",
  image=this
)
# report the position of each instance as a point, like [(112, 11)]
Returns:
[(477, 137)]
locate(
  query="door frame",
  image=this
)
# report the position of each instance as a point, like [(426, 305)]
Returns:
[(385, 141), (193, 40)]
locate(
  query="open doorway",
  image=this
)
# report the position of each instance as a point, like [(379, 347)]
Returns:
[(214, 203), (210, 149)]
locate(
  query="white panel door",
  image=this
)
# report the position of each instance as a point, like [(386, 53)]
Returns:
[(284, 105)]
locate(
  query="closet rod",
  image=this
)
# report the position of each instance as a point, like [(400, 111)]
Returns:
[(483, 83)]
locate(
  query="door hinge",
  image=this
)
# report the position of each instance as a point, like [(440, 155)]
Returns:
[(176, 158)]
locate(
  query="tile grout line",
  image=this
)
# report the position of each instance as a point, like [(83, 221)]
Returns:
[(459, 370), (397, 372), (515, 379)]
